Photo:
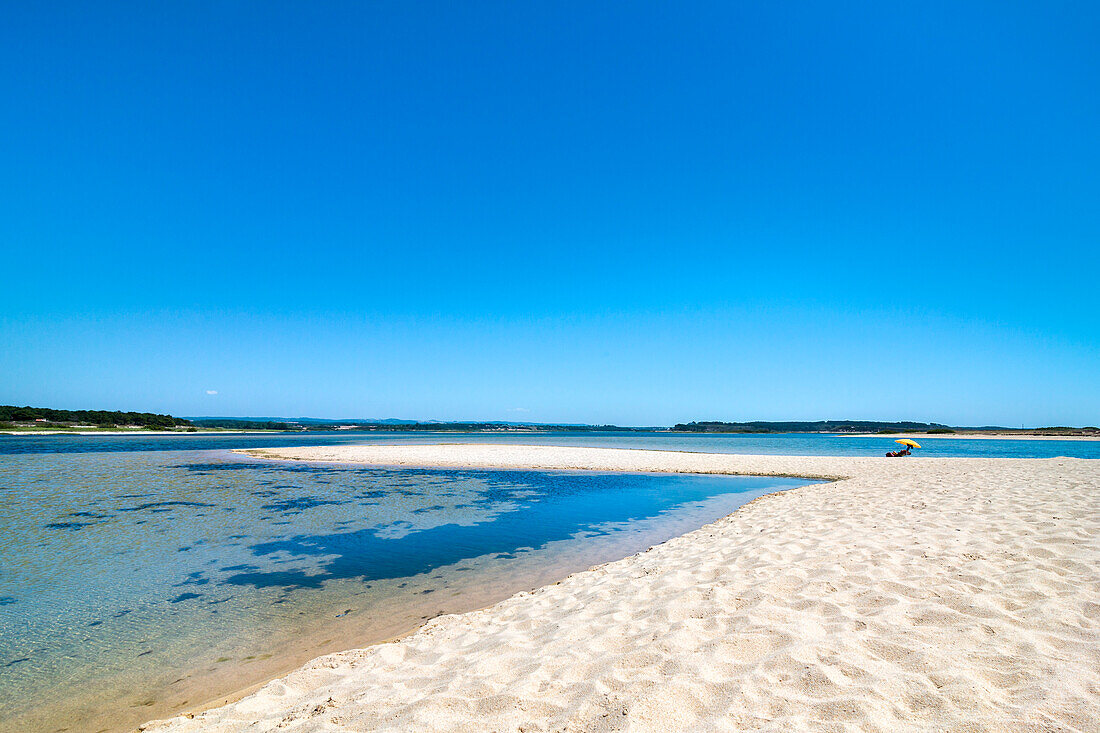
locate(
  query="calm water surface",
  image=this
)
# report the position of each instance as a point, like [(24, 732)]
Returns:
[(144, 575), (140, 576), (780, 444)]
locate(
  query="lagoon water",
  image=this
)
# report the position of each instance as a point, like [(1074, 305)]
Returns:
[(141, 576), (144, 575)]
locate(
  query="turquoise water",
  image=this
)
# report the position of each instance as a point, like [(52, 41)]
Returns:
[(140, 576)]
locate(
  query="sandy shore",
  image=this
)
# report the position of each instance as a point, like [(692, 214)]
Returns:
[(918, 594), (142, 432)]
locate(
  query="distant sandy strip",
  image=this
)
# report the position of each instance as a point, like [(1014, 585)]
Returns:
[(966, 436), (919, 594)]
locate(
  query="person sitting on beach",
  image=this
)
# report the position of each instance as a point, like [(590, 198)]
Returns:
[(899, 453)]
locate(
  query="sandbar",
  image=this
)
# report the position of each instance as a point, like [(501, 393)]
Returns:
[(916, 594)]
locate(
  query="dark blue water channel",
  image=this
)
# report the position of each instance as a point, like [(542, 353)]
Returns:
[(134, 583)]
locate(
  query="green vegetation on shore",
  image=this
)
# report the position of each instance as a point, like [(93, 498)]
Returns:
[(48, 418), (870, 426), (818, 426), (234, 424)]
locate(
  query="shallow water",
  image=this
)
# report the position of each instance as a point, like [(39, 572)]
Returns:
[(141, 575), (773, 444), (135, 583)]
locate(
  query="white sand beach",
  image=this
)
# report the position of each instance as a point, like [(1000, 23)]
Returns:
[(968, 436), (916, 594)]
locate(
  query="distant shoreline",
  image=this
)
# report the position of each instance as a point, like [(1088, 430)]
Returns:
[(497, 431), (979, 436), (200, 431)]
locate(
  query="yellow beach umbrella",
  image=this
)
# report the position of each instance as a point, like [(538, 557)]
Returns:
[(910, 443)]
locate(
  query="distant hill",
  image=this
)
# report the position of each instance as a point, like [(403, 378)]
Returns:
[(389, 424), (302, 420), (497, 426), (818, 426), (237, 423)]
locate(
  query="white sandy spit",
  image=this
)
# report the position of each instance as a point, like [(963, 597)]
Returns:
[(966, 436), (938, 594)]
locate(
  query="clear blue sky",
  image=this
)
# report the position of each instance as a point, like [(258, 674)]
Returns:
[(632, 212)]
